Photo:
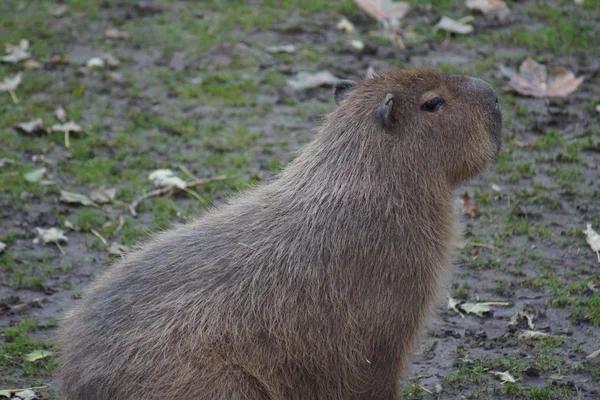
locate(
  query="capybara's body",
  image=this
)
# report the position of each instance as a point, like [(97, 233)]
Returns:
[(314, 286)]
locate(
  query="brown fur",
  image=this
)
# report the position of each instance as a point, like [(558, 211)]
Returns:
[(314, 286)]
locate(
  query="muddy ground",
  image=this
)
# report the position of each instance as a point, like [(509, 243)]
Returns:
[(196, 91)]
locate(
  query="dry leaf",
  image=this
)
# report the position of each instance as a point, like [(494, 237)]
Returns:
[(469, 207), (2, 247), (68, 127), (60, 114), (59, 10), (452, 305), (514, 320), (9, 85), (37, 355), (532, 80), (70, 197), (36, 175), (111, 61), (598, 108), (496, 188), (285, 48), (357, 44), (594, 354), (114, 33), (305, 80), (497, 8), (384, 9), (504, 376), (103, 195), (35, 126), (480, 308), (593, 239), (32, 64), (532, 334), (166, 178), (50, 235), (26, 394), (345, 25), (95, 62), (117, 249), (17, 53), (452, 26)]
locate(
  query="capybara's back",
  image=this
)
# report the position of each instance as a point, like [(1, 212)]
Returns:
[(314, 286)]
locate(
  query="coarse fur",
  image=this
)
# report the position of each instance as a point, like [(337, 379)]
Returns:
[(314, 286)]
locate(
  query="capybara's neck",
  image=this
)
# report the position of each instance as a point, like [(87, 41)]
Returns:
[(369, 206)]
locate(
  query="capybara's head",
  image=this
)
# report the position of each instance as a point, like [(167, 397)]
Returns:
[(443, 125)]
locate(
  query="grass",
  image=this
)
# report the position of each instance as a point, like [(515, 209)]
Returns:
[(199, 90)]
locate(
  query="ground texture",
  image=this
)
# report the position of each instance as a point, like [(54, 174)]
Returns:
[(196, 91)]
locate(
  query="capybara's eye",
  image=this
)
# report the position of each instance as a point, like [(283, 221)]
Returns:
[(433, 105)]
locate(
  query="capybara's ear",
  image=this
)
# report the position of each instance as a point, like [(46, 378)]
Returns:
[(384, 111), (342, 88)]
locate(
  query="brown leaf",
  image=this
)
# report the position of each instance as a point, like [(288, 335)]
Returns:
[(469, 207), (114, 33), (497, 8), (532, 80), (384, 9)]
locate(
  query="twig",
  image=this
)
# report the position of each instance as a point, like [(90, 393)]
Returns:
[(487, 246), (31, 388), (14, 97), (171, 189), (59, 247), (187, 172), (99, 236)]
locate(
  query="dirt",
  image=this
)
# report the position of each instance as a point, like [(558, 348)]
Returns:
[(523, 247)]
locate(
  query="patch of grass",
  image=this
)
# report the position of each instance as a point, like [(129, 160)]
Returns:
[(17, 344)]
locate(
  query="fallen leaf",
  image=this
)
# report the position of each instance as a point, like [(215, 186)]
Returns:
[(532, 80), (59, 10), (598, 108), (35, 126), (68, 127), (384, 9), (117, 249), (593, 239), (532, 334), (32, 64), (9, 85), (114, 33), (5, 161), (345, 25), (452, 26), (2, 247), (504, 376), (50, 235), (591, 286), (469, 207), (111, 61), (60, 114), (497, 8), (26, 394), (594, 354), (37, 355), (452, 305), (95, 62), (480, 308), (514, 320), (17, 53), (357, 44), (103, 195), (285, 48), (305, 80), (36, 175), (70, 197), (496, 188), (166, 178)]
